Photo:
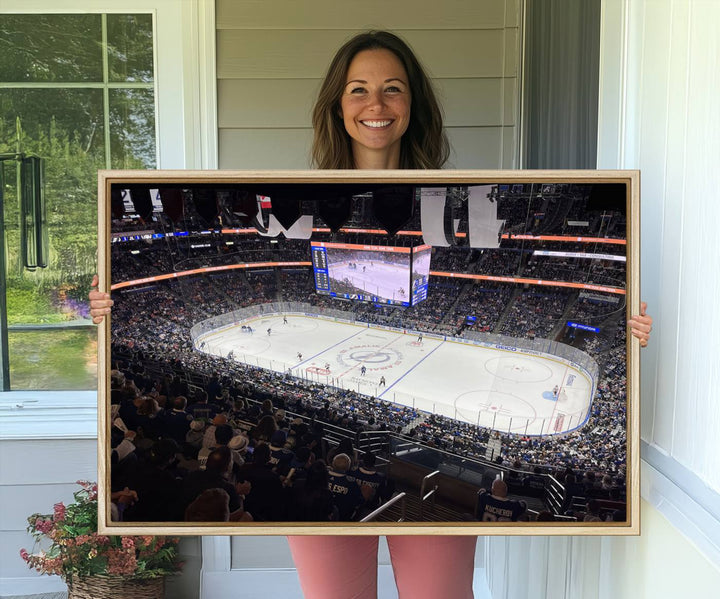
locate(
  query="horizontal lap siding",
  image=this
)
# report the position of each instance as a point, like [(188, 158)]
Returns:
[(271, 58), (35, 475), (350, 14)]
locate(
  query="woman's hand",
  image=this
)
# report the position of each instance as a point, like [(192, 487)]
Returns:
[(100, 303), (641, 325)]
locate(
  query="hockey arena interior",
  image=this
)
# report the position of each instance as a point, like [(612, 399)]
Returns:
[(368, 353)]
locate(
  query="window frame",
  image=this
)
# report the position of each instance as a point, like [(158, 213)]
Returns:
[(184, 85)]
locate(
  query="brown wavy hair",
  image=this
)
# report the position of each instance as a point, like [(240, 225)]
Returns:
[(424, 144)]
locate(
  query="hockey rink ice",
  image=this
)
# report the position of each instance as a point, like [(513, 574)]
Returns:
[(388, 281), (498, 388)]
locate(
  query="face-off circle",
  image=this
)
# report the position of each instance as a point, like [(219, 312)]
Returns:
[(519, 369)]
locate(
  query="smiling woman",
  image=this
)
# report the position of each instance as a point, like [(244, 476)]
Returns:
[(375, 78), (375, 108)]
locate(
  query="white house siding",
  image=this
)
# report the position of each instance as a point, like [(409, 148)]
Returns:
[(271, 57)]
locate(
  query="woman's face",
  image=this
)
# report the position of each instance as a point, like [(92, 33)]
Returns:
[(375, 107)]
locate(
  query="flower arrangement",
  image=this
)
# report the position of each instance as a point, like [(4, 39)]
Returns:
[(77, 551)]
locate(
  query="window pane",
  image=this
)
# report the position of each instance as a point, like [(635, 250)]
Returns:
[(53, 359), (50, 48), (132, 128), (130, 47), (64, 127)]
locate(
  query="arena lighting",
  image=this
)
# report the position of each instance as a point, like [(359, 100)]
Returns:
[(393, 206)]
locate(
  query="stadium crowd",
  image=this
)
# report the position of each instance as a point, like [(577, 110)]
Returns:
[(153, 350)]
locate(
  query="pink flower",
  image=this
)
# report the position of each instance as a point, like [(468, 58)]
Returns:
[(121, 561), (43, 526), (128, 542), (24, 555), (59, 512)]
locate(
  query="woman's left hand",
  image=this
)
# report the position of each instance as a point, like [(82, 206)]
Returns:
[(641, 325), (100, 303)]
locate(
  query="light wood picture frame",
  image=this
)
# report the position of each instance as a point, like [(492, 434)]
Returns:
[(484, 340)]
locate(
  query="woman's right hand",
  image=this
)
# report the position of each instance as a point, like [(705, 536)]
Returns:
[(100, 303)]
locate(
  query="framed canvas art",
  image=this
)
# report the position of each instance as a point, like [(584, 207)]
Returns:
[(366, 352)]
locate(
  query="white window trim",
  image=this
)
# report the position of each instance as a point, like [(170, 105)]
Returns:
[(679, 494), (674, 490), (186, 125)]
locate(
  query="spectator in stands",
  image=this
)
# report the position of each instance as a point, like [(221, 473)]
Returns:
[(156, 485), (592, 511), (496, 507), (300, 464), (201, 406), (175, 423), (222, 434), (344, 446), (196, 434), (310, 498), (209, 436), (280, 457), (212, 505), (346, 491), (215, 476), (366, 475), (263, 431), (266, 499)]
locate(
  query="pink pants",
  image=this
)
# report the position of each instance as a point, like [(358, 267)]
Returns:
[(345, 567)]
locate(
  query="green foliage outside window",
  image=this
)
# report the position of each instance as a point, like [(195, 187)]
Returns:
[(76, 90)]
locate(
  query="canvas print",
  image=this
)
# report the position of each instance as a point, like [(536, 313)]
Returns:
[(381, 354)]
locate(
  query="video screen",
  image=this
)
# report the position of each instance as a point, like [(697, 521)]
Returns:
[(420, 273), (379, 274)]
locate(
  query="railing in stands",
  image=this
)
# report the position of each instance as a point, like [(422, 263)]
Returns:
[(400, 497), (555, 493), (430, 495)]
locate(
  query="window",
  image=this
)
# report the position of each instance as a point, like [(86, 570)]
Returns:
[(78, 91)]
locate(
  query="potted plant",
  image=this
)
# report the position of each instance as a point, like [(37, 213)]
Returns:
[(95, 566)]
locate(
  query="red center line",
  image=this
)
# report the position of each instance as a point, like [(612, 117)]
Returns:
[(560, 388)]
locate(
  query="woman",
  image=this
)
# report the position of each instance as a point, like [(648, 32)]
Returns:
[(377, 110)]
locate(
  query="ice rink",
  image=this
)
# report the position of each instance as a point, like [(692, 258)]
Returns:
[(502, 389), (388, 281)]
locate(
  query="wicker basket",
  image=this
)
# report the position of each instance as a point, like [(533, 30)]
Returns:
[(116, 587)]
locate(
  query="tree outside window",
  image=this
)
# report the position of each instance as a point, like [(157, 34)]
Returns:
[(78, 91)]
